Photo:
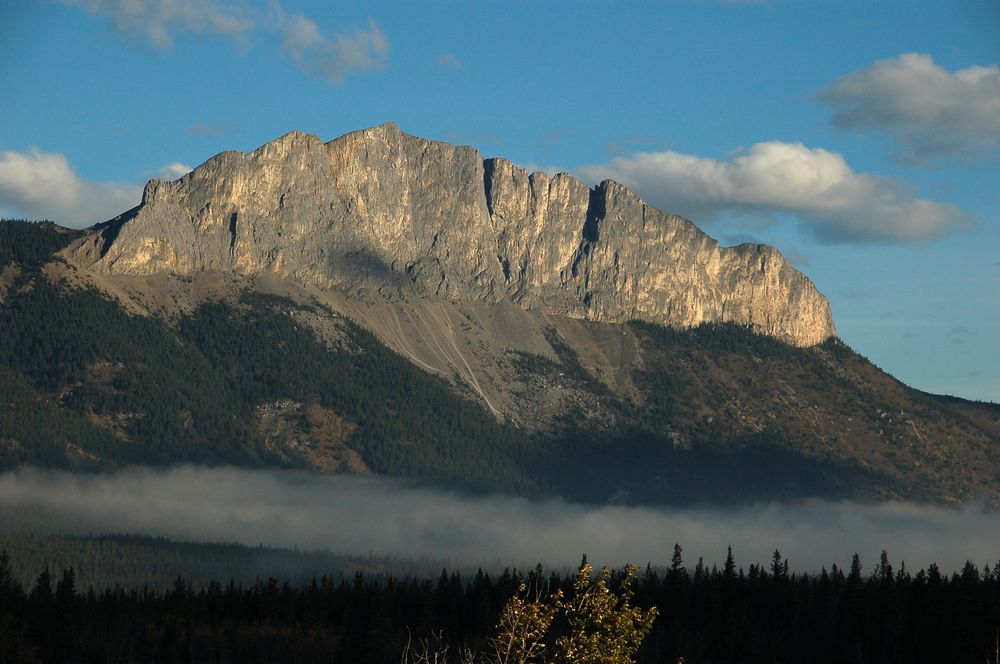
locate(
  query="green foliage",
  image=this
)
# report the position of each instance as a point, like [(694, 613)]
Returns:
[(604, 627), (30, 244), (78, 373), (523, 626), (85, 383), (593, 624), (94, 358), (36, 429)]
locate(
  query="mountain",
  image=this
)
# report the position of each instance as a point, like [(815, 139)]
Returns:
[(391, 213), (385, 304)]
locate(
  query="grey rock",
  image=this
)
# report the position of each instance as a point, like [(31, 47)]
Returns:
[(385, 213)]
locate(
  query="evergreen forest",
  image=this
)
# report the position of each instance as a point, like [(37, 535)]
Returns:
[(762, 613)]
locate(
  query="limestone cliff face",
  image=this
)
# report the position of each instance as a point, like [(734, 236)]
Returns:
[(384, 212)]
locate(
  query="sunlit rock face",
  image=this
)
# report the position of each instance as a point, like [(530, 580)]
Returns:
[(385, 213)]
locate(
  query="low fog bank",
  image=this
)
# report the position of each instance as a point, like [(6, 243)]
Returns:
[(358, 515)]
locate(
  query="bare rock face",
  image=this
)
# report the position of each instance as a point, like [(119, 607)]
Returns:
[(382, 212)]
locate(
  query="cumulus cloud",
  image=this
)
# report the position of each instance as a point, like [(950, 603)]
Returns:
[(43, 185), (927, 110), (161, 21), (360, 515), (330, 58), (834, 202)]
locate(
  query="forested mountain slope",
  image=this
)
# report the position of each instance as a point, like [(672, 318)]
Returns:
[(601, 412)]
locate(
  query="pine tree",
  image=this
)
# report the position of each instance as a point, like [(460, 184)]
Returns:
[(779, 569), (677, 562), (883, 570), (42, 592), (854, 576), (66, 588), (677, 572), (729, 570)]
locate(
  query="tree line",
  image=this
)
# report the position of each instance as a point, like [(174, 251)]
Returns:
[(762, 613)]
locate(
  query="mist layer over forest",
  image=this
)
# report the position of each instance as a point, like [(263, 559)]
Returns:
[(350, 514)]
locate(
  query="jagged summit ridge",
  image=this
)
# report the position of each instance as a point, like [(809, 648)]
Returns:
[(383, 212)]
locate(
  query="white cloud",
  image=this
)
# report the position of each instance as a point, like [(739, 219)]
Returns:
[(834, 202), (173, 170), (42, 185), (928, 110), (330, 58), (161, 20)]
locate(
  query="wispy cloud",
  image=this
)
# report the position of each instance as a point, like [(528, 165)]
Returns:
[(43, 185), (161, 21), (929, 111), (834, 202), (351, 514), (330, 58)]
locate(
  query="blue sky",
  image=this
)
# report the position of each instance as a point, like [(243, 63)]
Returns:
[(860, 138)]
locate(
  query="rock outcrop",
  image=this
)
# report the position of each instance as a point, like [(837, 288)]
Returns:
[(383, 212)]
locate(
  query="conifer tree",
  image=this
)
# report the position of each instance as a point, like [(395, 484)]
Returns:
[(729, 569), (66, 588), (854, 576), (779, 569)]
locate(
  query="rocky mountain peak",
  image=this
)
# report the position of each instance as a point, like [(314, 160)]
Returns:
[(385, 213)]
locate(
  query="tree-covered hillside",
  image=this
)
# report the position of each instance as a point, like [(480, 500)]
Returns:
[(714, 414), (84, 383)]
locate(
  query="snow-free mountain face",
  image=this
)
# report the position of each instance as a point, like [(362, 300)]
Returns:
[(382, 212), (390, 305)]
